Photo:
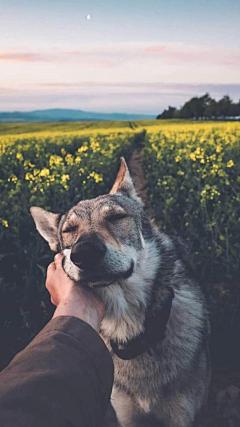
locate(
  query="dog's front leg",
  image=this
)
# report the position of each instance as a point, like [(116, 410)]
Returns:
[(124, 407), (129, 413)]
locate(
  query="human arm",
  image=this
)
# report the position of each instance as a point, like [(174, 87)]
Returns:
[(64, 376)]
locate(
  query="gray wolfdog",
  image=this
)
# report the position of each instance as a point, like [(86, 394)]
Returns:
[(156, 321)]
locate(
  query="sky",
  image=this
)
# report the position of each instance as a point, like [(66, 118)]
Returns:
[(135, 56)]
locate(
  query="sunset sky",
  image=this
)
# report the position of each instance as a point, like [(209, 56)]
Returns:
[(132, 56)]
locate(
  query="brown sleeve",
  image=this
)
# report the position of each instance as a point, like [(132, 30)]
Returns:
[(63, 378)]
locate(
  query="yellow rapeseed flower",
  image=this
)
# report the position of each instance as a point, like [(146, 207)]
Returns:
[(65, 177), (96, 177), (230, 164), (19, 156), (44, 172)]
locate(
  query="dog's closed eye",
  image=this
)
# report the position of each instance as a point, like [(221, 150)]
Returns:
[(116, 217), (70, 229)]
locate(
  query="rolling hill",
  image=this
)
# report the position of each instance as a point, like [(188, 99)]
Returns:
[(60, 114)]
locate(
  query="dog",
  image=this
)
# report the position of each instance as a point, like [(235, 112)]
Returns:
[(156, 322)]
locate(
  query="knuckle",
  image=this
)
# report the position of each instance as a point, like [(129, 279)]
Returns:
[(50, 267), (53, 301)]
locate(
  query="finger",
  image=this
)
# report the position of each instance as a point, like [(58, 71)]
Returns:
[(51, 269), (58, 260), (53, 301), (50, 274)]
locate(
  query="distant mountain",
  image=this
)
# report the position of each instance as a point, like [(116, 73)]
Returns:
[(60, 114)]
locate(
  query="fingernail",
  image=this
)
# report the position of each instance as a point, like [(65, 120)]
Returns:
[(57, 256)]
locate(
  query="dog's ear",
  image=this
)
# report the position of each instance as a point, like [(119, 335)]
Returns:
[(124, 182), (47, 225)]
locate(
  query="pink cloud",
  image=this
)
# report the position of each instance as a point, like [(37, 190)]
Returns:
[(159, 48), (182, 54), (23, 57), (88, 59), (110, 56)]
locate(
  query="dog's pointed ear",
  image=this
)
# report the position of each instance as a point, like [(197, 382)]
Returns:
[(124, 182), (47, 225)]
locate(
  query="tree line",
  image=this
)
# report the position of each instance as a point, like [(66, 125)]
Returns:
[(204, 107)]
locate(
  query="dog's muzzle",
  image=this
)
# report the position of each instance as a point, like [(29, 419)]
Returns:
[(88, 255), (114, 277), (88, 252)]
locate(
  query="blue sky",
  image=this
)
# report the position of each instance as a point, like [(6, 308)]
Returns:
[(132, 56)]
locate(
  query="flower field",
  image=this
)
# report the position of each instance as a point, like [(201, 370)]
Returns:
[(54, 173), (193, 176)]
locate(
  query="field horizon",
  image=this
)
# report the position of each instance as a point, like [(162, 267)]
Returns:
[(55, 128)]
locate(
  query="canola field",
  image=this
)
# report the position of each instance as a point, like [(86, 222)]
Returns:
[(193, 179), (193, 174)]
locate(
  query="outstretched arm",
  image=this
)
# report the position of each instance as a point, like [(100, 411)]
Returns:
[(64, 376)]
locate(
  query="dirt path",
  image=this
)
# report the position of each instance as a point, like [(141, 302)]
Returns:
[(136, 169)]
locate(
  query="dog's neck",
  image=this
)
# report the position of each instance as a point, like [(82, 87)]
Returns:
[(127, 300)]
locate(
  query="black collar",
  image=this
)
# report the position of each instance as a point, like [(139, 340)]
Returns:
[(154, 331)]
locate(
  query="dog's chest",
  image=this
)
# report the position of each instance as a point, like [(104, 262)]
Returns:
[(138, 376)]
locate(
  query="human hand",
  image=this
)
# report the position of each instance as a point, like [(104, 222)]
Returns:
[(72, 299)]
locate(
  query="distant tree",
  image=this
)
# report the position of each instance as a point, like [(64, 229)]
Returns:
[(167, 114), (205, 101), (211, 109), (186, 111), (235, 110), (203, 106), (177, 114), (195, 108), (224, 106)]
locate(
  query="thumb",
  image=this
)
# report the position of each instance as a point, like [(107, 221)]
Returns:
[(58, 261)]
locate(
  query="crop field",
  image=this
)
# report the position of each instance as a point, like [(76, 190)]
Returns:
[(193, 176), (193, 180), (9, 132)]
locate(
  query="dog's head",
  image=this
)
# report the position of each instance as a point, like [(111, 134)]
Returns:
[(99, 238)]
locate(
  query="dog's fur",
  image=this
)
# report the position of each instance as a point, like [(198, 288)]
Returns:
[(168, 387)]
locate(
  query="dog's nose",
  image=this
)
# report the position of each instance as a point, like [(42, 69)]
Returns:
[(88, 252)]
